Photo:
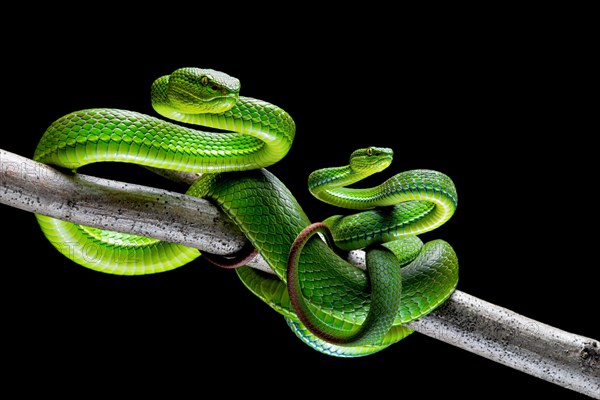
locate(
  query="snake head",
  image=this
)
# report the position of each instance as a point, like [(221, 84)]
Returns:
[(371, 159), (195, 90)]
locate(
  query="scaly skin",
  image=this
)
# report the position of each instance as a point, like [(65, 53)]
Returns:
[(339, 293), (264, 135), (415, 202), (262, 207)]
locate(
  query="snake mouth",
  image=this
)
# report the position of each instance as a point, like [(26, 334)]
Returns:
[(383, 157), (198, 99), (384, 162), (191, 102)]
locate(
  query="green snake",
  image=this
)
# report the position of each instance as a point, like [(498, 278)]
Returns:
[(417, 202), (258, 134)]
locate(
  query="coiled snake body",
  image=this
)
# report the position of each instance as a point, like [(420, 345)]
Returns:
[(330, 289)]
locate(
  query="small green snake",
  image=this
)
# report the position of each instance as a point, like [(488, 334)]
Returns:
[(417, 201), (408, 278)]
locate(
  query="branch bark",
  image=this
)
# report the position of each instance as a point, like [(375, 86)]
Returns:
[(493, 332)]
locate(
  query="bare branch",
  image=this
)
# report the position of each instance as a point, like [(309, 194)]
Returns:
[(496, 333), (566, 359), (118, 206)]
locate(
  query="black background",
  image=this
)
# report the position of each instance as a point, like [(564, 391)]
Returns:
[(502, 109)]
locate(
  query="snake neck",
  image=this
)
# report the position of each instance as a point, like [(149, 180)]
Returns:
[(260, 135), (271, 125), (328, 185), (409, 203)]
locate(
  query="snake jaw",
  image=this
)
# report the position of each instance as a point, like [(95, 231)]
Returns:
[(194, 103)]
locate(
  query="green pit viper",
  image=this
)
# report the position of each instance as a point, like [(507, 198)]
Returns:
[(331, 307)]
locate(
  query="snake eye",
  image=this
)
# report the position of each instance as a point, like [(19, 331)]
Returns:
[(204, 80), (369, 151)]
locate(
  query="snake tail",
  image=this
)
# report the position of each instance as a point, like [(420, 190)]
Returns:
[(386, 284), (237, 260)]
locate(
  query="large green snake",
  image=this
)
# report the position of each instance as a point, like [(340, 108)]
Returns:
[(332, 290)]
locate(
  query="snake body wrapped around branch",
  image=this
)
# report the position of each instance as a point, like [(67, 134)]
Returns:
[(331, 290), (263, 134)]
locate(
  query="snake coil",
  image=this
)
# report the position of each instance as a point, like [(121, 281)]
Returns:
[(325, 287)]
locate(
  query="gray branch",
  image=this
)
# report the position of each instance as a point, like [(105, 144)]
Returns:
[(563, 358)]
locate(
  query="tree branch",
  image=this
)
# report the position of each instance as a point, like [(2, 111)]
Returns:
[(566, 359)]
